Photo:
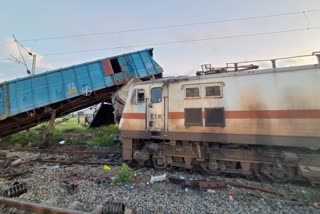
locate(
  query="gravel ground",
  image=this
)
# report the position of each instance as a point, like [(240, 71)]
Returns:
[(47, 184)]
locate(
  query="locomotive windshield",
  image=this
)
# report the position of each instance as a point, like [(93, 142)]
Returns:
[(156, 95)]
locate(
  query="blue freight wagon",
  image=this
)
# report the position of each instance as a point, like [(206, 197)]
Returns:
[(27, 101)]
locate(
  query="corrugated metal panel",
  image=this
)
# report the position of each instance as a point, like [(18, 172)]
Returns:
[(2, 100), (51, 87), (56, 86)]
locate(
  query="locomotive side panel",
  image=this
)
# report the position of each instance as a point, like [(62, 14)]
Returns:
[(266, 107), (271, 108)]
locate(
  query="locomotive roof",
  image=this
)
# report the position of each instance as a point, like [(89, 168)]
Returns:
[(233, 73)]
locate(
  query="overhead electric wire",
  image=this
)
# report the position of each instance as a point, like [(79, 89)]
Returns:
[(24, 62), (172, 26), (23, 47), (187, 41)]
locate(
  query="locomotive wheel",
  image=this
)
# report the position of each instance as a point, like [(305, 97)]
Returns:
[(269, 173)]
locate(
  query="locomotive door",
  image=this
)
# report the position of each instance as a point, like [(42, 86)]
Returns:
[(155, 108)]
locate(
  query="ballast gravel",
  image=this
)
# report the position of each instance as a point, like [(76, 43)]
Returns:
[(83, 188)]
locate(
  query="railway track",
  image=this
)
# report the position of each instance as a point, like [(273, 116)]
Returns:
[(15, 165), (59, 151), (66, 156)]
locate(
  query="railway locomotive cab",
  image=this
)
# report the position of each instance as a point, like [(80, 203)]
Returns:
[(263, 123)]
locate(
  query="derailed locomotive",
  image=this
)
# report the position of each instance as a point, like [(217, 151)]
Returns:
[(263, 123)]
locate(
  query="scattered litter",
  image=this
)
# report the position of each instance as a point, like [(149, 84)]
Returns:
[(55, 167), (129, 186), (70, 187), (61, 142), (16, 162), (158, 178), (177, 180), (186, 189), (211, 191), (106, 167), (231, 197)]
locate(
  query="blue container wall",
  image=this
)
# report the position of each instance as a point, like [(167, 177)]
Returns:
[(2, 100), (56, 86), (96, 76), (51, 87), (40, 91)]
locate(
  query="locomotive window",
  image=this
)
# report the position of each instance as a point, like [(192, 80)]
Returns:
[(133, 97), (192, 92), (156, 95), (213, 91), (140, 96), (193, 116), (137, 96), (214, 117)]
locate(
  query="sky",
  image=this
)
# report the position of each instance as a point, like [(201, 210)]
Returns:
[(183, 33)]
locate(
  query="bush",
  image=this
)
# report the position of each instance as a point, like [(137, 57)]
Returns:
[(124, 175)]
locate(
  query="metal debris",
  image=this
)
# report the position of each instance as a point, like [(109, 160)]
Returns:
[(262, 189), (15, 190), (207, 184), (70, 187), (177, 180), (113, 208)]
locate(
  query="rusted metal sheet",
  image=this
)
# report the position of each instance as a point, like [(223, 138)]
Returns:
[(208, 184), (107, 67), (214, 184), (262, 189), (35, 208)]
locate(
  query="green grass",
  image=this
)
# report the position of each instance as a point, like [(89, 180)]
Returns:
[(103, 136), (124, 175), (66, 129), (307, 195)]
